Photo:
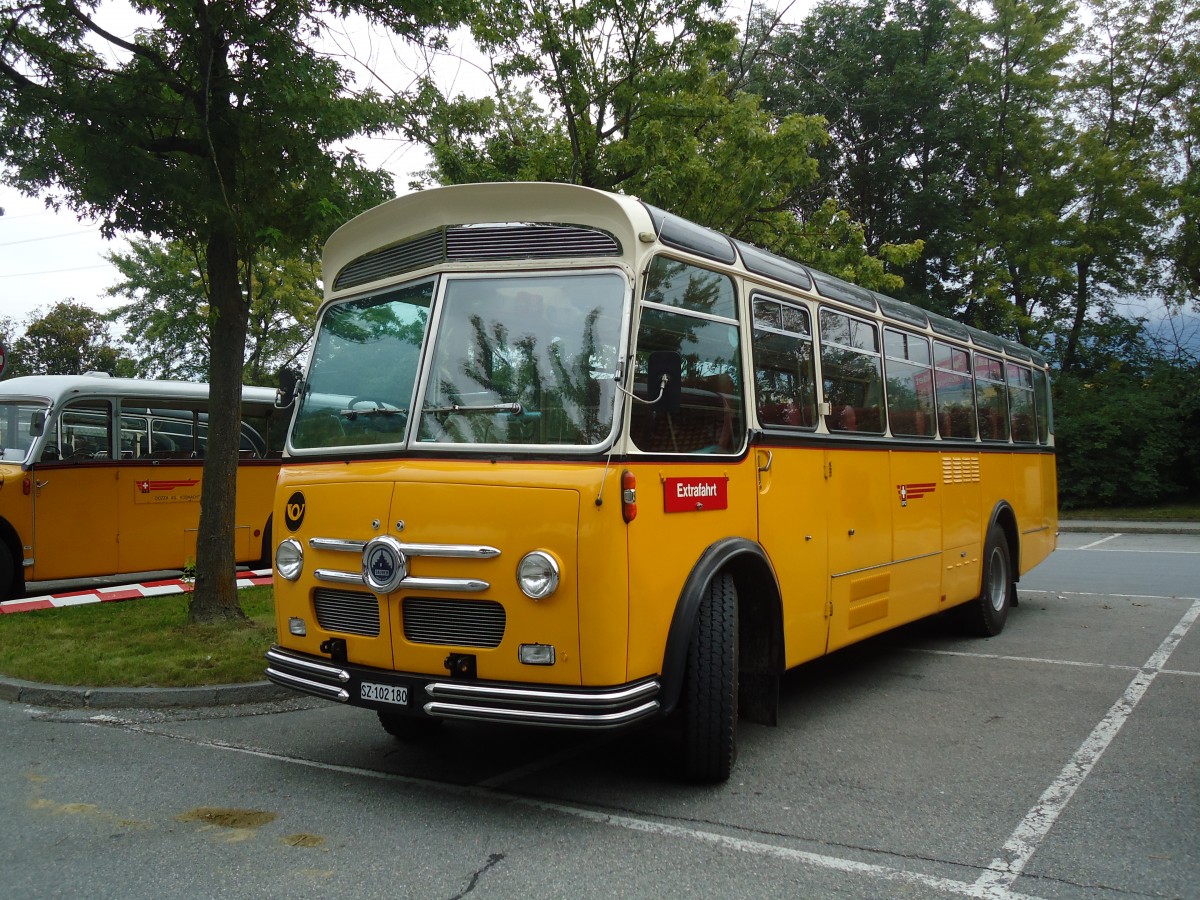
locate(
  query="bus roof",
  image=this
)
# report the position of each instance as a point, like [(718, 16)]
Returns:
[(57, 388), (407, 233)]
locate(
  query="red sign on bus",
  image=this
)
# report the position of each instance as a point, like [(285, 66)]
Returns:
[(695, 494)]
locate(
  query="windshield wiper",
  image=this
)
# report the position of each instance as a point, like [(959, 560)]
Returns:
[(512, 408), (353, 414)]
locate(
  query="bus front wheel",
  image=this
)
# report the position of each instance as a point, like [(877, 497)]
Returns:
[(986, 614), (709, 704)]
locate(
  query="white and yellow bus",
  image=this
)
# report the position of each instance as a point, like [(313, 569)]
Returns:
[(561, 458), (101, 476)]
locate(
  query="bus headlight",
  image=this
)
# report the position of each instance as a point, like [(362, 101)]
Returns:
[(289, 559), (537, 575)]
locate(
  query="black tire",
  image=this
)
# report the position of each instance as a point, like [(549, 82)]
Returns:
[(408, 728), (266, 561), (8, 574), (986, 614), (709, 705)]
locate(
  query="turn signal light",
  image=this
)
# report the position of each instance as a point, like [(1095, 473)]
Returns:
[(628, 496)]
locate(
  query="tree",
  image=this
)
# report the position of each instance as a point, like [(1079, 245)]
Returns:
[(166, 320), (645, 99), (68, 339), (214, 124)]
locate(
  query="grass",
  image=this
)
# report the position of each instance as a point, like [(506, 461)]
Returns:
[(1184, 511), (137, 643)]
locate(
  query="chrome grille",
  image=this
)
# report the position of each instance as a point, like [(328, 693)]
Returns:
[(348, 612), (457, 623)]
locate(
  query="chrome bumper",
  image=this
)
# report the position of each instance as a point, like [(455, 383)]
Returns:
[(525, 704)]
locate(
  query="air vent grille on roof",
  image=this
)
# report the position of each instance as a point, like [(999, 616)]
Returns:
[(526, 242), (413, 254), (465, 243)]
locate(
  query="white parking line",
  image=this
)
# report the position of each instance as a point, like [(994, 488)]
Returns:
[(1099, 542), (1024, 841)]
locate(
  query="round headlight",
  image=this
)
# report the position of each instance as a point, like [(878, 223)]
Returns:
[(537, 574), (289, 559)]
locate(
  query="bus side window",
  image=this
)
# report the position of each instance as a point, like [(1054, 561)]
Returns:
[(784, 376), (909, 383), (991, 398), (711, 417), (955, 392), (852, 373), (85, 431)]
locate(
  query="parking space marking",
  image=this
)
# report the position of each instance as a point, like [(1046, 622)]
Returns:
[(628, 823), (1111, 537), (1024, 841)]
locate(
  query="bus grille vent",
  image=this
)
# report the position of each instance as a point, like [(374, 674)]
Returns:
[(457, 623), (423, 251), (527, 242), (347, 612), (960, 469), (477, 242)]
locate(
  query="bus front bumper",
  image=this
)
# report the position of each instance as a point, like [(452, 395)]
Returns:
[(448, 698)]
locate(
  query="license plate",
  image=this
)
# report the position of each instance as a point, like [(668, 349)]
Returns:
[(384, 693)]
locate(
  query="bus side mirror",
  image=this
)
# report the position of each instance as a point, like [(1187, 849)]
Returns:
[(664, 380), (289, 381), (37, 423)]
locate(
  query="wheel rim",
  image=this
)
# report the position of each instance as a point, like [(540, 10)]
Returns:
[(997, 581)]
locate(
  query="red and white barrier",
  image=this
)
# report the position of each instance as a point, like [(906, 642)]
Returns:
[(248, 578)]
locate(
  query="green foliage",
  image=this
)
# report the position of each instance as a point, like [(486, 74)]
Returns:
[(68, 339), (1126, 438), (167, 319)]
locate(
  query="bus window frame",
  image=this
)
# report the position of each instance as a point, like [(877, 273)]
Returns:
[(927, 367), (806, 337), (840, 416)]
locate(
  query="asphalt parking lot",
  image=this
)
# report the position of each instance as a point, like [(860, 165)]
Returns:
[(1058, 760)]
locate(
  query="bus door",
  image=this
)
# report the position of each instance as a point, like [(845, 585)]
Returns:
[(860, 489), (859, 522), (158, 492), (791, 528), (75, 496)]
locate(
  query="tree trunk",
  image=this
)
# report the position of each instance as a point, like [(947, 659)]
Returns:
[(215, 596)]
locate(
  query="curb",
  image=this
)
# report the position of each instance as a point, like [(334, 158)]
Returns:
[(158, 588), (67, 697)]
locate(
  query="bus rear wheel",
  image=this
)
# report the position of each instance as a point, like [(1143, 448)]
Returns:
[(709, 704), (986, 614)]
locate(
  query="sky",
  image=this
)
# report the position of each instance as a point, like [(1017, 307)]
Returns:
[(48, 256)]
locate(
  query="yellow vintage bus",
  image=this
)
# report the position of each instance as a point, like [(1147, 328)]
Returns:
[(101, 476), (561, 458)]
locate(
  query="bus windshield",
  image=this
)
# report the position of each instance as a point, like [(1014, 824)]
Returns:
[(16, 428), (523, 360)]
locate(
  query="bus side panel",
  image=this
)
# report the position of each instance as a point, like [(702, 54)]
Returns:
[(16, 508), (917, 500), (158, 512), (962, 525), (663, 547), (603, 584), (75, 531), (792, 531), (860, 544), (255, 494)]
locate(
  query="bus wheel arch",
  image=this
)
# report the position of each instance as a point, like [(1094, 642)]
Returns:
[(986, 615), (760, 627)]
